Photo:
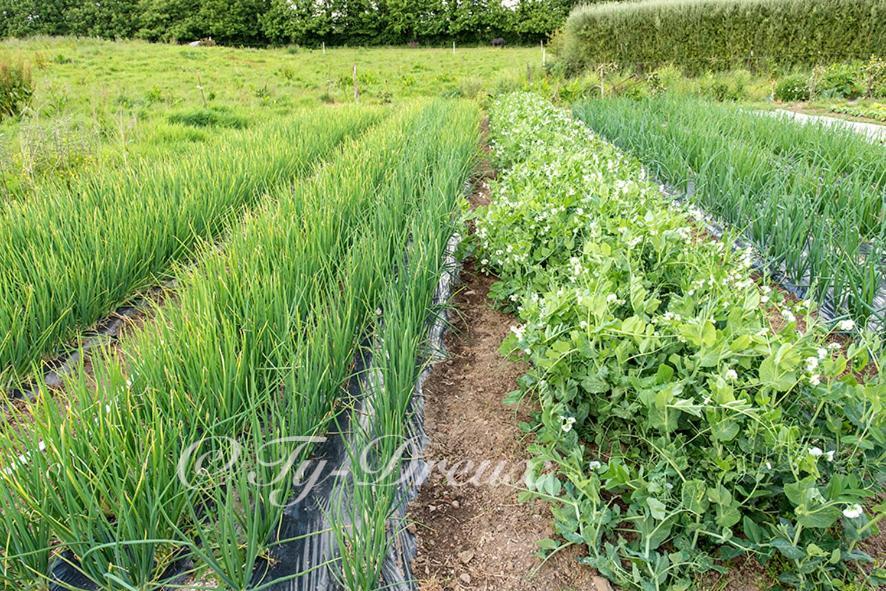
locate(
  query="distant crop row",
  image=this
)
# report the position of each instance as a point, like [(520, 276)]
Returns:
[(811, 198), (73, 253), (720, 34), (257, 349)]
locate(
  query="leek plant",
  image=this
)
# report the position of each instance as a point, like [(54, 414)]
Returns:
[(360, 515), (257, 345), (812, 198), (76, 252)]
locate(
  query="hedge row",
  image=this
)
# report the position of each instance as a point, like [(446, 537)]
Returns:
[(716, 34)]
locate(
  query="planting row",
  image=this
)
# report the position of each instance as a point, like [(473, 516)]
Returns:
[(810, 197), (76, 252), (687, 414), (113, 475)]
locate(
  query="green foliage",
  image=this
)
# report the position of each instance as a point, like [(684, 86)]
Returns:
[(840, 81), (786, 186), (794, 87), (719, 34), (308, 22), (875, 111), (16, 88), (210, 117), (677, 427)]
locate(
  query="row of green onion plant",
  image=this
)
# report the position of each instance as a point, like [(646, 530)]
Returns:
[(812, 199), (688, 413), (75, 252), (362, 513), (257, 344)]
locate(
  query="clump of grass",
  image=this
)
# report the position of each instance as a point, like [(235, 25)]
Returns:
[(209, 117), (16, 88)]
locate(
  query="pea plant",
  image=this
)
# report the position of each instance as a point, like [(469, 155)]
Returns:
[(688, 413)]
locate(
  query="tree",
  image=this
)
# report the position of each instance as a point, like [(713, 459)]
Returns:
[(110, 19), (169, 20), (35, 17)]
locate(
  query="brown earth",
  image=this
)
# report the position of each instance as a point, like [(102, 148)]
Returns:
[(472, 531), (474, 535)]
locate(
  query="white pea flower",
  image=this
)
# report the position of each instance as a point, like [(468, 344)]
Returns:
[(829, 456), (815, 379), (846, 325), (583, 324), (567, 423), (731, 374), (822, 352), (811, 364), (853, 511), (788, 316), (768, 465), (594, 464), (611, 298), (815, 452), (834, 346), (518, 332)]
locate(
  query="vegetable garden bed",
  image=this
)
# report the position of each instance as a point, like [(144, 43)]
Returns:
[(684, 425)]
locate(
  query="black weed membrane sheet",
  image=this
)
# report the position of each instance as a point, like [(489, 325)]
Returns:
[(829, 309), (305, 554)]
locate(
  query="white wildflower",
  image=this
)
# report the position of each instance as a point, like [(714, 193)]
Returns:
[(611, 298), (731, 374), (815, 379), (815, 452), (788, 316), (811, 364), (846, 325), (594, 464)]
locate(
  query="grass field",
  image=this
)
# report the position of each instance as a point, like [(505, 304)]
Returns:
[(100, 102)]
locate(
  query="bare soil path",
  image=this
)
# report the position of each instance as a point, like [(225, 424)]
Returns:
[(473, 534)]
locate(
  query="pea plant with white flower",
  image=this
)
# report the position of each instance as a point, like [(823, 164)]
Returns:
[(680, 418)]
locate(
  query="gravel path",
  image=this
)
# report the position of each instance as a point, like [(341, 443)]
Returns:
[(871, 130)]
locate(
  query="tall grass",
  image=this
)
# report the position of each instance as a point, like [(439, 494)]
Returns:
[(257, 346), (74, 253), (811, 198)]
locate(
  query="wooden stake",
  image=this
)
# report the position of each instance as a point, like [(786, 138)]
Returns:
[(453, 48), (544, 57), (356, 89), (324, 48)]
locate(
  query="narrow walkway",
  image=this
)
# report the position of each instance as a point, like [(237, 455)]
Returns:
[(476, 535), (873, 131)]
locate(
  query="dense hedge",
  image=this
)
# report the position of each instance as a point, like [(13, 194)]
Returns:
[(715, 34), (305, 22)]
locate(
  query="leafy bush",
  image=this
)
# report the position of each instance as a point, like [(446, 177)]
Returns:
[(677, 427), (16, 89), (725, 86), (794, 87), (841, 81), (721, 34)]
